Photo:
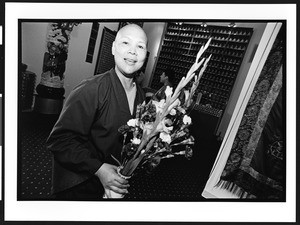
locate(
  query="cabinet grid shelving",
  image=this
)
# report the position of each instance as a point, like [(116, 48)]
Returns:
[(180, 45)]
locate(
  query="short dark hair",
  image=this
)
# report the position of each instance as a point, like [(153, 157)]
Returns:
[(170, 74)]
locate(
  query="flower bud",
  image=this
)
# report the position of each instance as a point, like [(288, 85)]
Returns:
[(165, 137), (187, 120), (136, 141), (132, 122), (169, 91)]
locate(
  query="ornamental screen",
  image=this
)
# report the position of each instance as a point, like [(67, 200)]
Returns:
[(105, 59)]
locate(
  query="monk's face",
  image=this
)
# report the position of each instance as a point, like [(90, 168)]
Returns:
[(130, 49)]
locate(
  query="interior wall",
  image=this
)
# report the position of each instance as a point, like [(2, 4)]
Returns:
[(154, 33), (77, 69), (34, 47)]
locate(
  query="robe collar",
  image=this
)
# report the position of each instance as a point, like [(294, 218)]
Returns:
[(121, 94)]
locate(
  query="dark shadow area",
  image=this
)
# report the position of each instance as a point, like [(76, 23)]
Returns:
[(174, 179)]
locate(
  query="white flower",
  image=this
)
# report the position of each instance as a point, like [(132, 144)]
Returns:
[(132, 122), (136, 141), (147, 128), (186, 94), (159, 105), (173, 112), (187, 120), (168, 91), (165, 137)]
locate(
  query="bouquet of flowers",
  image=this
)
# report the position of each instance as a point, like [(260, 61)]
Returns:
[(159, 126)]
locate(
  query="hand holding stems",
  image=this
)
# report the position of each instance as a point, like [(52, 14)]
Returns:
[(111, 181)]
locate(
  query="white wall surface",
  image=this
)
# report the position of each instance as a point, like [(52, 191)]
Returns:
[(77, 69), (154, 33), (34, 47)]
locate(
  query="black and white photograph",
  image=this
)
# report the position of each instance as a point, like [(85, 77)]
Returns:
[(164, 116)]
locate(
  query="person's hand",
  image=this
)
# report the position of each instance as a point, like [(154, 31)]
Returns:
[(110, 179)]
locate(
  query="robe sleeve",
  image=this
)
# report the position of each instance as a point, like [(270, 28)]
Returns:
[(69, 140)]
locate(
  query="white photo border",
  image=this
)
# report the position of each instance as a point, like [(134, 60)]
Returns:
[(144, 211)]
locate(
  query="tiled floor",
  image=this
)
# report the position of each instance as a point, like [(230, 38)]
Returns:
[(174, 179)]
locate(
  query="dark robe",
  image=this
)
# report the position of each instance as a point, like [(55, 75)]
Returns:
[(86, 133)]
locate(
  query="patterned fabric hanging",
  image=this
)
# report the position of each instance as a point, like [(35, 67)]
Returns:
[(256, 164)]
